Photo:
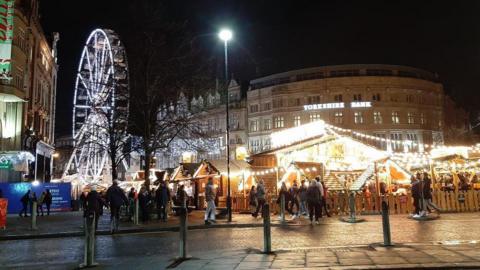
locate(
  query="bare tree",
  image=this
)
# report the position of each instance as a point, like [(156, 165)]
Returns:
[(164, 61)]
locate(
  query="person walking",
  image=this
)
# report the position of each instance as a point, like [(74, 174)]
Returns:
[(260, 198), (285, 194), (322, 194), (48, 200), (93, 207), (303, 198), (427, 194), (131, 202), (324, 198), (40, 203), (313, 201), (143, 200), (162, 196), (24, 200), (416, 195), (115, 199), (210, 199), (252, 199), (83, 198), (293, 193)]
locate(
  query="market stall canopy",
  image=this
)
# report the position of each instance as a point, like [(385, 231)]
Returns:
[(184, 171), (236, 166), (300, 170)]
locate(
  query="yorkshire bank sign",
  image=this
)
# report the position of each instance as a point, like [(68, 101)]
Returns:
[(337, 105)]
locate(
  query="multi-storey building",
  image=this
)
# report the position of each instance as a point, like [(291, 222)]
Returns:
[(392, 102), (387, 101), (27, 91), (210, 110)]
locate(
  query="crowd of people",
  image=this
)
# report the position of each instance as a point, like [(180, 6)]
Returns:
[(308, 200), (30, 197)]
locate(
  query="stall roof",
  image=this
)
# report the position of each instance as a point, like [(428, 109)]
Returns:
[(235, 165)]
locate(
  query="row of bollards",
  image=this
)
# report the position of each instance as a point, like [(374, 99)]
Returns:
[(183, 229)]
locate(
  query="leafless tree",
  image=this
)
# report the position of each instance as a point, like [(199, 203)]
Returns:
[(164, 61)]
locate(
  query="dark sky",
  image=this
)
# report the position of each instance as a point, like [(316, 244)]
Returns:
[(274, 36)]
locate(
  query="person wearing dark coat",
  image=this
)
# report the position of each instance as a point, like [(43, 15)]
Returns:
[(48, 200), (93, 207), (313, 201), (427, 194), (24, 200), (143, 200), (115, 199), (416, 194), (162, 197)]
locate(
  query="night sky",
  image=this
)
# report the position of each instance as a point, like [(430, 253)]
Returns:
[(275, 36)]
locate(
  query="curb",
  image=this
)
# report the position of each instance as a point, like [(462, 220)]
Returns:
[(136, 230)]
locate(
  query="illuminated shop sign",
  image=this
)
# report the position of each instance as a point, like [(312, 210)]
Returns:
[(338, 105), (323, 106), (361, 104)]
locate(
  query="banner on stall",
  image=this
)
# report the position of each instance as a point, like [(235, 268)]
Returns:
[(3, 213), (7, 11), (61, 195)]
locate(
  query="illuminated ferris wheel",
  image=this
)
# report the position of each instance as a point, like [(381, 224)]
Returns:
[(101, 96)]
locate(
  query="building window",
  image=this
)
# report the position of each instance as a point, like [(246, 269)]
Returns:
[(338, 98), (423, 120), (358, 118), (254, 108), (395, 118), (279, 122), (410, 99), (412, 143), (297, 121), (253, 126), (267, 106), (267, 124), (381, 142), (357, 97), (234, 122), (376, 97), (396, 142), (377, 118), (267, 144), (277, 103), (313, 100), (314, 117), (411, 118), (338, 117), (255, 145)]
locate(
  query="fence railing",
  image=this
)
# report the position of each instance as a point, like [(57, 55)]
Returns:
[(449, 201)]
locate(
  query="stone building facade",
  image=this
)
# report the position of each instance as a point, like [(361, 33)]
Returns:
[(387, 101), (27, 98), (392, 102)]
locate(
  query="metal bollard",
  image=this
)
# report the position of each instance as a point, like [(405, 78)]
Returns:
[(282, 207), (183, 232), (34, 216), (89, 251), (387, 241), (267, 234), (136, 211)]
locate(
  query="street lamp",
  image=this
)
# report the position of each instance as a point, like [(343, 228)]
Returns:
[(226, 35)]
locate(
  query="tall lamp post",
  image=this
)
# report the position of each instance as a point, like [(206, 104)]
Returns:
[(226, 35)]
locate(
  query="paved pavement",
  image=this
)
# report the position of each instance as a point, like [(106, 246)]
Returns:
[(144, 250), (71, 224)]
